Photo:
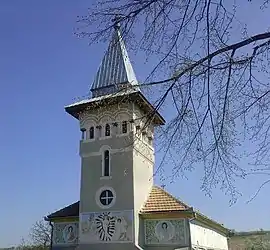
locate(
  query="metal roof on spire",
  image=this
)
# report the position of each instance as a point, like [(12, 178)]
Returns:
[(115, 71)]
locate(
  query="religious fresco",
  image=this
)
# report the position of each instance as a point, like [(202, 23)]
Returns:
[(165, 232), (65, 233), (106, 227)]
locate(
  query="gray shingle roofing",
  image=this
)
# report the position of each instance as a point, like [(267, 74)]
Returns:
[(115, 68)]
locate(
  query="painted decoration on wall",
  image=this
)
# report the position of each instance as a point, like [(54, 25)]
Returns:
[(106, 227), (69, 233), (65, 233), (166, 232)]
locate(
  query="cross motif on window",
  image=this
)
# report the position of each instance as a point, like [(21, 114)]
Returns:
[(106, 197)]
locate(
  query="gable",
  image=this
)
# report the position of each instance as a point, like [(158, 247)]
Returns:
[(161, 201)]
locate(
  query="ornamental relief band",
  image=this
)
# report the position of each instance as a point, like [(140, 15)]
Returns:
[(106, 227), (108, 115)]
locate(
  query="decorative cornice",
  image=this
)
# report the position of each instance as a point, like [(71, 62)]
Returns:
[(112, 151), (188, 214), (65, 219)]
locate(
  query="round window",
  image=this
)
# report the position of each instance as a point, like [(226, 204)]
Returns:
[(105, 197)]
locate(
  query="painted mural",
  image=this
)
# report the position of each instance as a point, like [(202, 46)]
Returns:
[(166, 232), (65, 233), (105, 227)]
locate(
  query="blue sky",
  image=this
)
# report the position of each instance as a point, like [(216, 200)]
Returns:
[(43, 66)]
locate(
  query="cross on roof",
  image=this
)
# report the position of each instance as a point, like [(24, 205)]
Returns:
[(115, 71), (116, 20)]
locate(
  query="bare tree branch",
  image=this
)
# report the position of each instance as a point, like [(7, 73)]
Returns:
[(211, 74), (41, 233)]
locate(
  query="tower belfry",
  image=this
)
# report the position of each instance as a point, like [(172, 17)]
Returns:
[(117, 156)]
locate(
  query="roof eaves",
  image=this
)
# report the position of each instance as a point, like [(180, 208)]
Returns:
[(61, 218), (65, 212), (188, 214), (72, 109), (202, 218), (152, 107)]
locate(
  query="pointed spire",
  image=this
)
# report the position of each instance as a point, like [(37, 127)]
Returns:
[(115, 70)]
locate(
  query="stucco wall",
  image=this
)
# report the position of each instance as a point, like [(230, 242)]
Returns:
[(143, 181), (121, 158), (131, 167), (207, 238), (121, 175)]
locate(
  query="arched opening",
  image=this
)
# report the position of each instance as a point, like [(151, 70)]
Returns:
[(137, 129), (92, 133), (106, 163), (107, 130), (83, 133), (124, 127)]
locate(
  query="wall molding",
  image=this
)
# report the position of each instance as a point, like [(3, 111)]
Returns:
[(112, 151)]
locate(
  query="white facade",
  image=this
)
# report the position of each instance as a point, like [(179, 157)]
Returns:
[(204, 237)]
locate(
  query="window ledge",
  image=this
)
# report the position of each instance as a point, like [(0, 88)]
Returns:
[(121, 135), (105, 137), (88, 140), (105, 177)]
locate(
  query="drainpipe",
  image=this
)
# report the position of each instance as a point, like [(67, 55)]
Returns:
[(189, 220), (51, 234)]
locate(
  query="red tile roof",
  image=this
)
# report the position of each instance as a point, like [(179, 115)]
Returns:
[(161, 201), (158, 201)]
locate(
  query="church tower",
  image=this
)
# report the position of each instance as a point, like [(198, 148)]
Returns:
[(119, 207), (117, 155)]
